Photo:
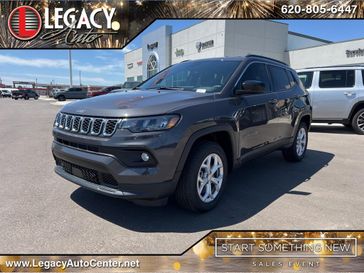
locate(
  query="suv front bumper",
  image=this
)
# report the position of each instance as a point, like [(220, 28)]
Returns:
[(105, 174)]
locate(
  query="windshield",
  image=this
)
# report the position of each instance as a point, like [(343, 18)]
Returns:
[(207, 76), (130, 84)]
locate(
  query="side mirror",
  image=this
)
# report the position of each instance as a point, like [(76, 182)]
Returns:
[(251, 87)]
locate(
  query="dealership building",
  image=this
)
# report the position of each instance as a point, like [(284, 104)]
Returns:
[(225, 38)]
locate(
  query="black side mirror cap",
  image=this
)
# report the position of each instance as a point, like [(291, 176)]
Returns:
[(251, 87)]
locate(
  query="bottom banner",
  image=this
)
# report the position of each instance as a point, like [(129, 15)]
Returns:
[(221, 251)]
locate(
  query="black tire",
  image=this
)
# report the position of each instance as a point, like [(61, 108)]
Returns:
[(36, 98), (26, 98), (358, 122), (16, 98), (187, 195), (292, 153), (61, 98)]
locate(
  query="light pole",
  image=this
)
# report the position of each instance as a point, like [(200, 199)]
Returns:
[(80, 78), (70, 65)]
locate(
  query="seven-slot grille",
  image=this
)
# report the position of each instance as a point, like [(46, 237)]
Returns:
[(86, 125)]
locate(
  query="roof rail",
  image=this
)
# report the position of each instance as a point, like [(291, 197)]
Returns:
[(263, 57), (330, 66)]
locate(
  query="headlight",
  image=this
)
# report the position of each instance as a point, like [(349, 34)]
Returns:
[(149, 124), (57, 120)]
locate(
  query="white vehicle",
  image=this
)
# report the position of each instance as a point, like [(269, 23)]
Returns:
[(7, 92), (55, 91), (337, 94)]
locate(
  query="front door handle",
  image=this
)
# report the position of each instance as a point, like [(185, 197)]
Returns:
[(273, 101)]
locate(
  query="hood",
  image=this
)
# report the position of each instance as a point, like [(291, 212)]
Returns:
[(135, 103)]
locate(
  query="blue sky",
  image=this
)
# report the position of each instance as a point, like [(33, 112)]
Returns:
[(105, 67)]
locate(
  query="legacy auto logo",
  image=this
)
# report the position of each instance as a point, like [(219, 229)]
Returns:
[(72, 25), (24, 23)]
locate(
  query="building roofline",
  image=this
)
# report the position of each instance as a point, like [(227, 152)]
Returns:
[(309, 37), (183, 29), (135, 49)]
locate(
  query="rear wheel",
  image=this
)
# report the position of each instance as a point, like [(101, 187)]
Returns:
[(26, 98), (358, 122), (203, 178), (298, 149)]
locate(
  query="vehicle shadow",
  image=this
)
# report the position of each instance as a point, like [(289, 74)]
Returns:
[(250, 189), (331, 129)]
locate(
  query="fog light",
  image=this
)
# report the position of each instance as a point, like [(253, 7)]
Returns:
[(145, 157)]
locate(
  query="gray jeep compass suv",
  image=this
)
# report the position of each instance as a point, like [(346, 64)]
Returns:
[(183, 130)]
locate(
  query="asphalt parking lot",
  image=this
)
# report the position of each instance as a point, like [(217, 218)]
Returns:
[(42, 213)]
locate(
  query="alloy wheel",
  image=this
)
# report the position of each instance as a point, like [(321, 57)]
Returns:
[(301, 141), (360, 121), (210, 177)]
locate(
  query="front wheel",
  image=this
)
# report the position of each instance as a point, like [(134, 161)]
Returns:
[(61, 98), (203, 178), (358, 122), (297, 151)]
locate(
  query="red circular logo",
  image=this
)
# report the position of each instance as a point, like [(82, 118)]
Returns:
[(24, 23)]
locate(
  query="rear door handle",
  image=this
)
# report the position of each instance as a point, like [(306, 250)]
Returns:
[(349, 94)]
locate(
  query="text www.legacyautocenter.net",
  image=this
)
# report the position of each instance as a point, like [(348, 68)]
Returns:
[(72, 263)]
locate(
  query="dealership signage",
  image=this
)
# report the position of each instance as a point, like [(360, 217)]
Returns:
[(179, 52), (75, 26), (152, 46), (355, 53), (203, 45), (130, 66)]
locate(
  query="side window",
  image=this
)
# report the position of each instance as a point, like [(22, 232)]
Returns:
[(337, 78), (306, 78), (280, 78), (291, 78), (257, 72)]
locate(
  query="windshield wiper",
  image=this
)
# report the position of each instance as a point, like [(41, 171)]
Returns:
[(166, 88), (170, 88)]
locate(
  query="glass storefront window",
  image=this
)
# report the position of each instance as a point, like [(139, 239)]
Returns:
[(152, 66)]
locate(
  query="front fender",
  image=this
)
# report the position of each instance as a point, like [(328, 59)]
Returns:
[(203, 132)]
